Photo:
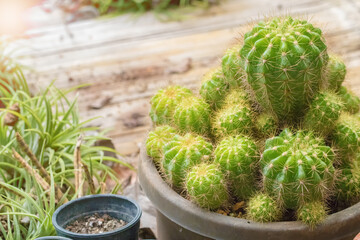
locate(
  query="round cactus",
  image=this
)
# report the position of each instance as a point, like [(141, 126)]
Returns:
[(312, 213), (231, 66), (206, 186), (323, 113), (193, 114), (350, 100), (266, 125), (346, 136), (263, 208), (214, 87), (163, 103), (284, 59), (335, 71), (297, 168), (348, 183), (181, 153), (156, 141), (238, 157)]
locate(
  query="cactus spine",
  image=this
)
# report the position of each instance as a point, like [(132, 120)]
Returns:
[(238, 157), (163, 103), (181, 153), (206, 186), (192, 114), (323, 113), (214, 87), (348, 183), (297, 168), (156, 141), (284, 60), (263, 208)]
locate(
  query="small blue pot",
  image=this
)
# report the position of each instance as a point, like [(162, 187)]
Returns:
[(114, 205)]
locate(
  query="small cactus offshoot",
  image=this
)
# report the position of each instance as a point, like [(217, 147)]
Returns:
[(232, 68), (323, 113), (238, 158), (263, 208), (348, 183), (181, 153), (350, 100), (163, 103), (192, 114), (206, 186), (214, 87), (156, 141), (312, 213), (336, 71)]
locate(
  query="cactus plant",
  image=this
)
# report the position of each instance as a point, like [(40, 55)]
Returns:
[(214, 87), (235, 117), (181, 153), (238, 157), (266, 124), (348, 183), (192, 114), (206, 186), (263, 208), (312, 213), (335, 71), (232, 67), (323, 113), (297, 168), (156, 141), (351, 101), (284, 59), (346, 136), (163, 103)]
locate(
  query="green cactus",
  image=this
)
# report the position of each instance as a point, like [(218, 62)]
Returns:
[(263, 208), (232, 67), (206, 186), (335, 71), (297, 168), (193, 114), (156, 141), (285, 60), (181, 153), (346, 136), (323, 113), (238, 157), (235, 117), (163, 103), (266, 125), (312, 213), (351, 101), (348, 183), (214, 87)]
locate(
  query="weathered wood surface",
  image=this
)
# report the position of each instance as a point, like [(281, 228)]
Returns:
[(127, 60)]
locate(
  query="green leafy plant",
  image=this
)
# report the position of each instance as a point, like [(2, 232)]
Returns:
[(48, 126)]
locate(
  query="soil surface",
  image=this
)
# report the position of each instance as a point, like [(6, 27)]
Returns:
[(95, 223)]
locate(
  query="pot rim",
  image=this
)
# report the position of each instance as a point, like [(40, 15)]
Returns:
[(178, 209), (116, 231)]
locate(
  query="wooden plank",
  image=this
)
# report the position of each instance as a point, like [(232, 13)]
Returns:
[(132, 62)]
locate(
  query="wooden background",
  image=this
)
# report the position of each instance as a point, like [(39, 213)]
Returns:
[(128, 59)]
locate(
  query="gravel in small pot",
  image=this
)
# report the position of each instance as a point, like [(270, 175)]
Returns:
[(101, 217)]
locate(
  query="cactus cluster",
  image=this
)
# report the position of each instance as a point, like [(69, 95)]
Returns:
[(273, 126)]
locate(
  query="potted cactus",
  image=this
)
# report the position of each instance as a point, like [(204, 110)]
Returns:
[(273, 131)]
